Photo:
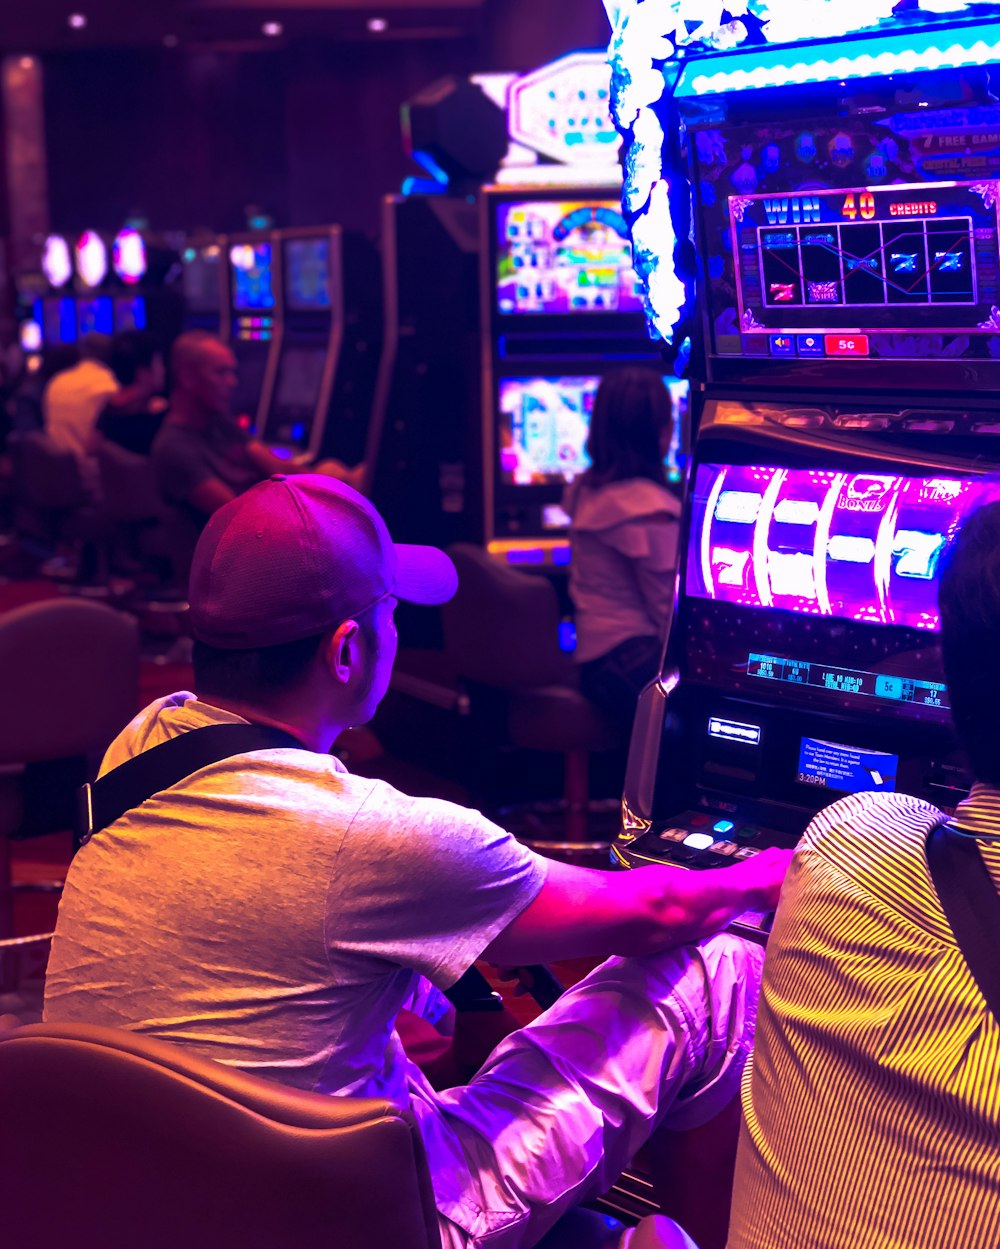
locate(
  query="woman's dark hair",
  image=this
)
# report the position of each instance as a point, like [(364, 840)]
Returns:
[(132, 350), (629, 427), (969, 598), (258, 674)]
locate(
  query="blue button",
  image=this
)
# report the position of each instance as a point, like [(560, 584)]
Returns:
[(723, 826), (810, 345), (782, 345)]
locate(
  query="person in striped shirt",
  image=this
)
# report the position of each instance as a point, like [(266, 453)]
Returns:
[(872, 1105)]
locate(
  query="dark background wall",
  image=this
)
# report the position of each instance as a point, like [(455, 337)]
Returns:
[(310, 132)]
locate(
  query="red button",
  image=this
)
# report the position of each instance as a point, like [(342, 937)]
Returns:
[(846, 344)]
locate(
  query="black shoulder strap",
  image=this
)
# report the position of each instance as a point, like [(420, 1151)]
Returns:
[(971, 905), (135, 780)]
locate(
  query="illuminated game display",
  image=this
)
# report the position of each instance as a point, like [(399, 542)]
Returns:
[(814, 264), (307, 274), (253, 287), (564, 257), (544, 422), (861, 546)]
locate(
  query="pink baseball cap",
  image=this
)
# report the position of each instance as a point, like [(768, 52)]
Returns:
[(297, 555)]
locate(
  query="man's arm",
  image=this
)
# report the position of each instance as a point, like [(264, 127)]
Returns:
[(209, 495), (267, 464), (581, 913)]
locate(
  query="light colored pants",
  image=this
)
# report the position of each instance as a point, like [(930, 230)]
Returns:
[(560, 1106)]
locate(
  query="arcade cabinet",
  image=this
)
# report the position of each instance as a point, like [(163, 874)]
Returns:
[(147, 271), (327, 346), (252, 319), (92, 263), (561, 305), (847, 228), (203, 284), (58, 310)]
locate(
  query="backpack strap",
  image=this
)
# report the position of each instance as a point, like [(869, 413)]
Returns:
[(132, 782), (971, 905)]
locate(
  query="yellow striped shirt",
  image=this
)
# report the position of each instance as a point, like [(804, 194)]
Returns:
[(872, 1106)]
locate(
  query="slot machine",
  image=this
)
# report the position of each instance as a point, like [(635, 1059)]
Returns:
[(561, 307), (849, 360), (252, 319)]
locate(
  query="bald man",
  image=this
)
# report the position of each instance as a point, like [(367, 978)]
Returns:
[(203, 457)]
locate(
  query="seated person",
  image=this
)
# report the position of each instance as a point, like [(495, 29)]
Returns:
[(203, 457), (624, 532), (872, 1117), (132, 416), (274, 912), (72, 402)]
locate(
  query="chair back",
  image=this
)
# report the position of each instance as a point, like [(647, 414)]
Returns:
[(112, 1140), (128, 484), (45, 476), (70, 676), (502, 627)]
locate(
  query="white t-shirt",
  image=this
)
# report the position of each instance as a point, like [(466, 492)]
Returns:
[(624, 539), (274, 912), (73, 401)]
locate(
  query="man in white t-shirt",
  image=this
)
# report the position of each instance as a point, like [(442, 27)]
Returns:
[(274, 912), (73, 400)]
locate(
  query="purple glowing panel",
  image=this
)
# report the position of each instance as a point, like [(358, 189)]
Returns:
[(564, 258), (860, 546)]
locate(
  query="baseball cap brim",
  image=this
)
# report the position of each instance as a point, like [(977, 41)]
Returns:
[(424, 575)]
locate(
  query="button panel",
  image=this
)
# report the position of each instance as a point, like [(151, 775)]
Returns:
[(697, 839)]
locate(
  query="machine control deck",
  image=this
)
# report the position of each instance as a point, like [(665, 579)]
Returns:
[(699, 840)]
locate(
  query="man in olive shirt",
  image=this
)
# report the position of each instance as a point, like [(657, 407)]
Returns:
[(203, 457)]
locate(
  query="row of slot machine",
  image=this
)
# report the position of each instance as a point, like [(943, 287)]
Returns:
[(96, 284), (847, 381), (301, 309), (504, 311), (461, 369)]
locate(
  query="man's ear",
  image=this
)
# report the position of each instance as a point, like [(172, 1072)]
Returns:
[(340, 651)]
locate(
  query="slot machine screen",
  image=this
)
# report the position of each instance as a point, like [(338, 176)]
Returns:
[(847, 240), (307, 275), (59, 319), (296, 394), (543, 428), (130, 314), (200, 281), (252, 275), (559, 258), (95, 316), (823, 583), (544, 423)]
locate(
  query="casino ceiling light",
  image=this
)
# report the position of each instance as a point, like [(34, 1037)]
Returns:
[(377, 25), (77, 21), (273, 29)]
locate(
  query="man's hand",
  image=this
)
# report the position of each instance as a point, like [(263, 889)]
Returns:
[(581, 912)]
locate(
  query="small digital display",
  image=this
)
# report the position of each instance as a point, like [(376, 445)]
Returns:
[(823, 542), (560, 258), (307, 275), (900, 689), (734, 731), (848, 769), (544, 422), (95, 316), (253, 285)]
